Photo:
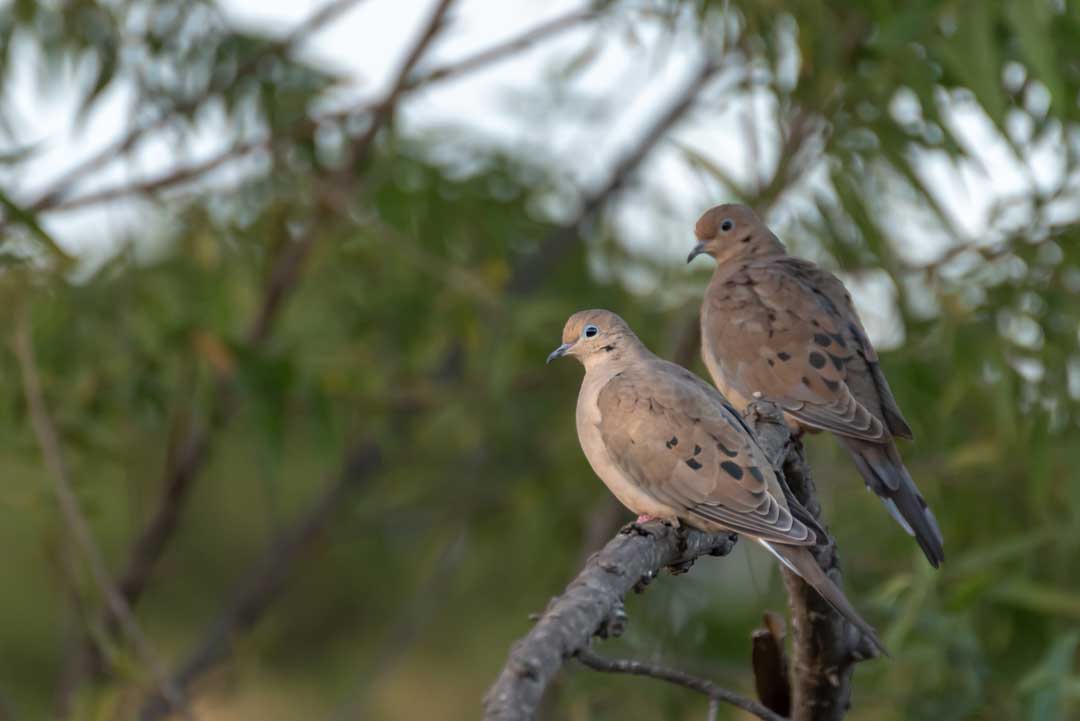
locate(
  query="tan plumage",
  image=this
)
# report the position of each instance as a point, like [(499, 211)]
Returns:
[(784, 328), (668, 445)]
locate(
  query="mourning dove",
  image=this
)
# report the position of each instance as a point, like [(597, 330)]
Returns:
[(669, 446), (783, 329)]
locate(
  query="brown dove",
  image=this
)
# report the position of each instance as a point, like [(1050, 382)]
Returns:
[(781, 328), (669, 446)]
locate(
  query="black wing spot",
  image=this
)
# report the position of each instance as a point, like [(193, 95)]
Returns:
[(697, 449), (839, 340), (733, 469), (756, 473), (725, 450), (784, 356), (770, 361), (806, 381), (837, 361), (692, 462), (831, 385), (817, 360), (673, 442), (822, 340), (813, 322)]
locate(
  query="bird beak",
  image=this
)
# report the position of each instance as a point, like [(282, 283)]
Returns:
[(698, 250), (559, 352)]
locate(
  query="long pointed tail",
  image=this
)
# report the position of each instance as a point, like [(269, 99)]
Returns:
[(802, 563), (885, 475)]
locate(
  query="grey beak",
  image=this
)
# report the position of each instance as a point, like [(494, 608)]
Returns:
[(559, 352), (698, 250)]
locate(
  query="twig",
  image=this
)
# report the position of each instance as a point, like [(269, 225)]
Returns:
[(77, 524), (267, 577), (532, 270), (714, 692), (450, 71), (384, 109), (502, 50), (772, 679)]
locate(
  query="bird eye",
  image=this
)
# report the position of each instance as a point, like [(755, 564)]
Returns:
[(590, 331), (727, 224)]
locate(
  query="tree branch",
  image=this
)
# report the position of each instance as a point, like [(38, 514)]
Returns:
[(61, 188), (76, 522), (826, 646), (591, 605), (266, 579), (283, 279), (714, 692), (179, 176), (532, 271)]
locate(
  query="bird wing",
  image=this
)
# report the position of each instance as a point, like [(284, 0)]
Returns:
[(787, 329), (683, 444)]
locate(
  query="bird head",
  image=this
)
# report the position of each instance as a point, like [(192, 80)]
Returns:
[(730, 231), (590, 335)]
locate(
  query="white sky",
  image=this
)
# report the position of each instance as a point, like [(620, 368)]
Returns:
[(631, 77)]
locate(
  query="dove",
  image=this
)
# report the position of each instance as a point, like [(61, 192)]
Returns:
[(778, 327), (669, 446)]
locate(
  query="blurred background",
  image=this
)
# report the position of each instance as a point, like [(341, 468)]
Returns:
[(278, 283)]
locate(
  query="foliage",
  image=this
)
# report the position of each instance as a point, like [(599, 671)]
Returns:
[(403, 328)]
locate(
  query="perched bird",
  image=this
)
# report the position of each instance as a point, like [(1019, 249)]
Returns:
[(781, 328), (669, 446)]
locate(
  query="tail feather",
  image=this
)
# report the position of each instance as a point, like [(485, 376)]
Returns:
[(803, 564), (885, 474)]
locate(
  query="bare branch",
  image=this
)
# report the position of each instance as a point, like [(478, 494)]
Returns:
[(714, 692), (266, 579), (502, 50), (62, 187), (51, 451), (179, 176), (531, 271), (591, 605)]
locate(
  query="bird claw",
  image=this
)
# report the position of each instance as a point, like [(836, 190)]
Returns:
[(615, 624), (677, 569), (644, 581), (636, 529)]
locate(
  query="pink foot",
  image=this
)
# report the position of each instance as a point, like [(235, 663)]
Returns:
[(645, 518)]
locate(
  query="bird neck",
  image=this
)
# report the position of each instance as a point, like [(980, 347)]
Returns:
[(760, 244), (622, 350)]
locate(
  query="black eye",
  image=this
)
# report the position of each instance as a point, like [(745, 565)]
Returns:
[(590, 331), (727, 225)]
